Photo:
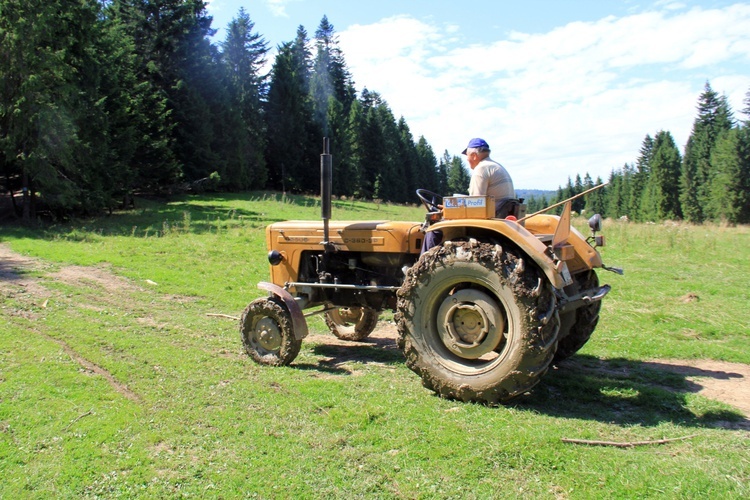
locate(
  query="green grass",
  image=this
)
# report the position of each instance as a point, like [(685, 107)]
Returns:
[(177, 410)]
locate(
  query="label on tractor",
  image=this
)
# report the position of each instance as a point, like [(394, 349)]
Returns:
[(466, 201), (346, 240)]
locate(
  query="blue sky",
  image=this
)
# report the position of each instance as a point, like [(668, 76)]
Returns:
[(555, 87)]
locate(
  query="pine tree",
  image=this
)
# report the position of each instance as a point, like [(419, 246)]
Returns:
[(390, 170), (330, 76), (615, 202), (743, 179), (728, 198), (61, 98), (579, 203), (408, 163), (598, 202), (148, 122), (714, 117), (243, 56), (458, 176), (640, 178), (661, 199), (427, 172), (355, 130), (345, 174), (289, 154), (588, 183), (200, 101), (442, 174)]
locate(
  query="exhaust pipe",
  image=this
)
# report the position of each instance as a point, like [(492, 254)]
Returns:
[(326, 182)]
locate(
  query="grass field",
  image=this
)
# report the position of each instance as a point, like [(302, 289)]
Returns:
[(114, 381)]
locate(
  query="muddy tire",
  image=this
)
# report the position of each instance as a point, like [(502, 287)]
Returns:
[(352, 323), (267, 332), (477, 322), (578, 325)]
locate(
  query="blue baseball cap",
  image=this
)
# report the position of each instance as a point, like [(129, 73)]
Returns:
[(476, 143)]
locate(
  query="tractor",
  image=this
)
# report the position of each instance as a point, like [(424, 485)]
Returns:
[(481, 316)]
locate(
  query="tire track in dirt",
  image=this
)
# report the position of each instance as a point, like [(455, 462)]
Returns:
[(94, 368), (12, 281)]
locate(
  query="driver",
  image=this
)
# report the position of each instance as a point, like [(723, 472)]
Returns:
[(488, 178)]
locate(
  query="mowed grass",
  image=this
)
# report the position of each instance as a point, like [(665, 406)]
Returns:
[(128, 388)]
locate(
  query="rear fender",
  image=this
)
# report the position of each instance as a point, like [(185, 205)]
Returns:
[(505, 230)]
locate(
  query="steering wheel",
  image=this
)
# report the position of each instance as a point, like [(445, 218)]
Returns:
[(431, 201)]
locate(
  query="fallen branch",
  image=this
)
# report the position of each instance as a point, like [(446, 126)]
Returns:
[(624, 445), (79, 417), (223, 316)]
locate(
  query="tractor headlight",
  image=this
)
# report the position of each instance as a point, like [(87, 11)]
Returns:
[(275, 257), (595, 223)]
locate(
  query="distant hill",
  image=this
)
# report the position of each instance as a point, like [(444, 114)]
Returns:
[(536, 193)]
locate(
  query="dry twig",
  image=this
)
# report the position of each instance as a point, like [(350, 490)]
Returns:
[(626, 444), (79, 417), (217, 315)]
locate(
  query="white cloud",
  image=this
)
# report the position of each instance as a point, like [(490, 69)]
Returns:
[(278, 7), (579, 98)]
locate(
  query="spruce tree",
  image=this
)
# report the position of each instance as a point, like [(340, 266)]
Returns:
[(148, 121), (289, 154), (355, 129), (408, 163), (714, 117), (458, 176), (662, 200), (640, 178), (243, 56), (579, 203), (330, 76), (598, 201), (390, 170), (442, 174), (59, 102), (428, 174), (615, 202), (588, 183), (728, 199)]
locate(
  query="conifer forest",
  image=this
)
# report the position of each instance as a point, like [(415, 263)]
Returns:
[(105, 100)]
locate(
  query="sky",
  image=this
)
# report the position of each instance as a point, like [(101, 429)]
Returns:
[(557, 88)]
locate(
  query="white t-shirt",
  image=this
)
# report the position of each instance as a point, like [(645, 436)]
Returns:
[(491, 179)]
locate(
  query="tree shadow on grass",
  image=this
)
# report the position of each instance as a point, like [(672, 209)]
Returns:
[(627, 392), (149, 218)]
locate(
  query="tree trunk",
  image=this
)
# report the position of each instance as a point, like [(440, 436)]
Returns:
[(26, 204)]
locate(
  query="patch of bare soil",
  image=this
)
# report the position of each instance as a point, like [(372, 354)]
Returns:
[(14, 282), (96, 277), (12, 278), (718, 380), (385, 336)]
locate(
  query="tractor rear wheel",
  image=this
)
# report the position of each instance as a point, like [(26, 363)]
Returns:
[(578, 325), (352, 323), (477, 322), (267, 332)]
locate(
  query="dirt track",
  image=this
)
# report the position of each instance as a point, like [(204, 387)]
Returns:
[(721, 381)]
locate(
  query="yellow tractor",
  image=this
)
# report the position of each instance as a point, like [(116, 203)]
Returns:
[(481, 315)]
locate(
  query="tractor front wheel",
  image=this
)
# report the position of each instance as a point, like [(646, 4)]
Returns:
[(267, 332)]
